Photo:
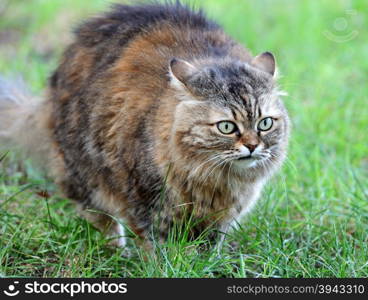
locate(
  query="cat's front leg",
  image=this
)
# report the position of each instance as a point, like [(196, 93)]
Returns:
[(107, 225)]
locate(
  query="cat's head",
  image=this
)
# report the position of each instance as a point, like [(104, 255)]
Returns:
[(229, 114)]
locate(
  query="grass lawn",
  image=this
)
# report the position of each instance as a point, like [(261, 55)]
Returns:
[(312, 220)]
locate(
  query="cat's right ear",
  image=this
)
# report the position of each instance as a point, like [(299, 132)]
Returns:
[(265, 62), (180, 71)]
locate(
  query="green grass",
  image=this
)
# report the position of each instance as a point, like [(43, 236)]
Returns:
[(312, 220)]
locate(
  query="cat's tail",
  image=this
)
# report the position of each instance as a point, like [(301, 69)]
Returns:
[(23, 121)]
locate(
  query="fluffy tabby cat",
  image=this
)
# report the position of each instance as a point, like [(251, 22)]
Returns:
[(155, 116)]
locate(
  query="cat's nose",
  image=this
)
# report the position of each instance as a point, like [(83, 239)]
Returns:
[(251, 146)]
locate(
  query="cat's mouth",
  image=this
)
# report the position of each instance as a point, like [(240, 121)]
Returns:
[(245, 157)]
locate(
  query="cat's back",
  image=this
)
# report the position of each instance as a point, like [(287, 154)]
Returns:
[(100, 42), (124, 22)]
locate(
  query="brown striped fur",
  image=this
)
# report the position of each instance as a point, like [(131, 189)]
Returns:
[(131, 119)]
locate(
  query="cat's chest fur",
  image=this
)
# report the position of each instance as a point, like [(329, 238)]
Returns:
[(221, 197)]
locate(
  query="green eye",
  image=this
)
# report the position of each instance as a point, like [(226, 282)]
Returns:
[(226, 127), (265, 124)]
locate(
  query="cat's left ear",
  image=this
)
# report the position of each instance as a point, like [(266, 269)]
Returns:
[(180, 71), (266, 62)]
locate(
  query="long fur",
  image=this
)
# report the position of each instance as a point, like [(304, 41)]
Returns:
[(22, 123), (129, 124)]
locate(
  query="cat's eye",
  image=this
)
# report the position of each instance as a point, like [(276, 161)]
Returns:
[(227, 127), (265, 124)]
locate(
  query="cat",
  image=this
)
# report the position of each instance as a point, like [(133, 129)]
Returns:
[(156, 117)]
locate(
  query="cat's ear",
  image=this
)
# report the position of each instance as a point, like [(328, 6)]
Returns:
[(180, 71), (266, 62)]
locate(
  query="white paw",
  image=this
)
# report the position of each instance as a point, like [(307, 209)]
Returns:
[(121, 240)]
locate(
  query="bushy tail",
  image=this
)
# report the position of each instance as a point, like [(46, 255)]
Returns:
[(23, 121)]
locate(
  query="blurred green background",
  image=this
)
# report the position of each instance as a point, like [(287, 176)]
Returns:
[(313, 217)]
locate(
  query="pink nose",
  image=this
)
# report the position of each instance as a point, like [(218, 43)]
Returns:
[(251, 147)]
